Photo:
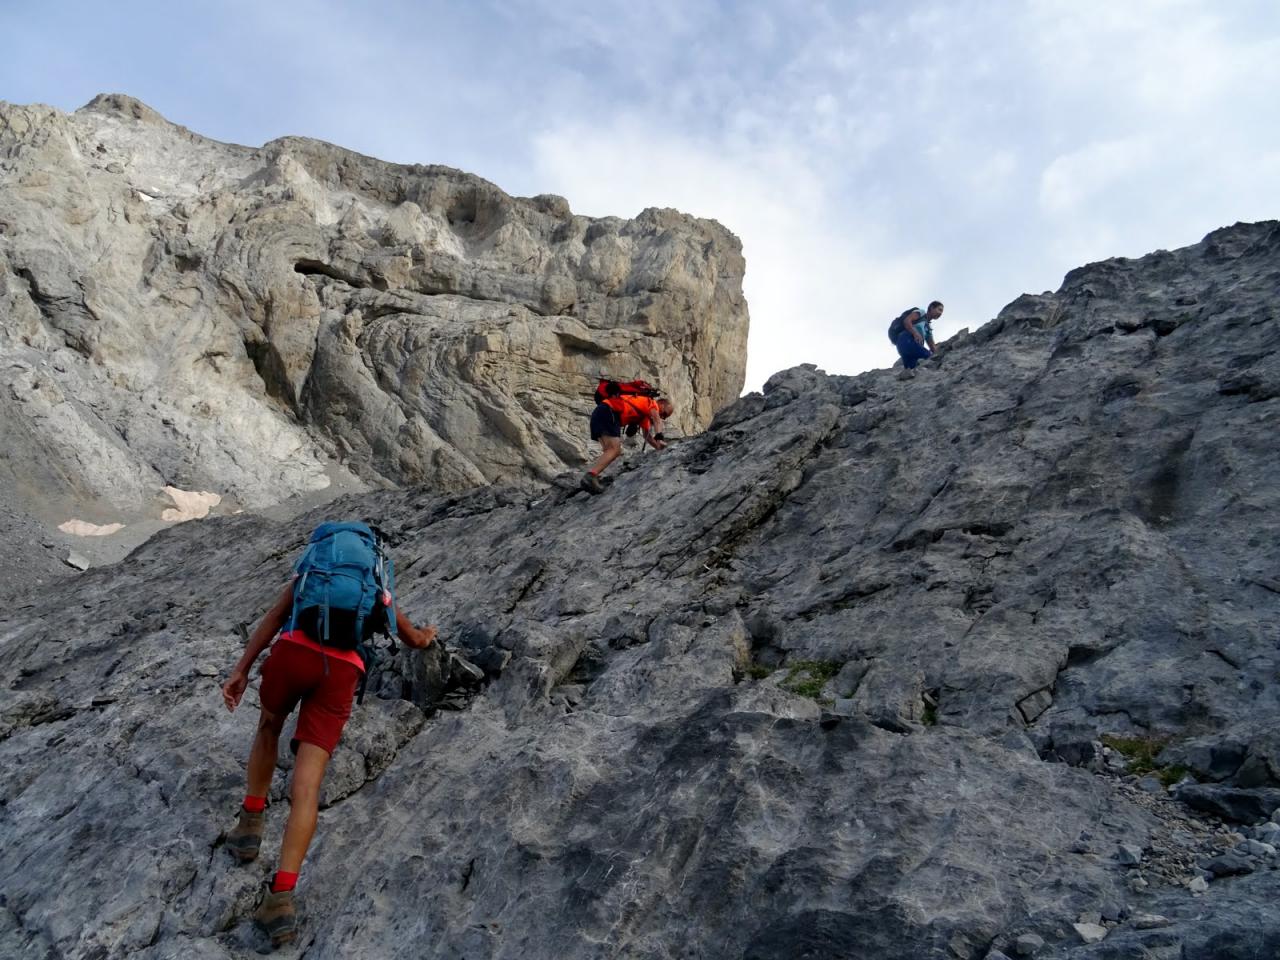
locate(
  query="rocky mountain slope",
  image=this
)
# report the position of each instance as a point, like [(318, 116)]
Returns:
[(875, 667), (262, 323)]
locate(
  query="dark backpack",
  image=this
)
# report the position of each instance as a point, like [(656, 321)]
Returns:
[(624, 388), (344, 591), (899, 324)]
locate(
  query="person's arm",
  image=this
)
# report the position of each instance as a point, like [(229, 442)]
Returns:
[(268, 627), (911, 327), (653, 430), (410, 635)]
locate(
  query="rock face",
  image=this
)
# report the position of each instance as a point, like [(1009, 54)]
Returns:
[(259, 322), (828, 680)]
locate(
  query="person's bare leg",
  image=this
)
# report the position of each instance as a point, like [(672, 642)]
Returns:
[(304, 798), (612, 449), (263, 754)]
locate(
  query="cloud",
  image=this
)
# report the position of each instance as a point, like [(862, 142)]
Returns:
[(867, 157), (824, 296), (1074, 178)]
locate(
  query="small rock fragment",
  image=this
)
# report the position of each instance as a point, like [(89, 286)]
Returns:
[(1028, 945), (1229, 865), (1198, 885), (1130, 855), (1090, 932), (77, 560), (1150, 921), (1255, 848)]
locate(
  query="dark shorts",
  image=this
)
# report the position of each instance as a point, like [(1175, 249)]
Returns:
[(604, 422), (296, 674)]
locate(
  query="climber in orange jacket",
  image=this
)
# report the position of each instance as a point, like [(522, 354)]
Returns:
[(613, 413)]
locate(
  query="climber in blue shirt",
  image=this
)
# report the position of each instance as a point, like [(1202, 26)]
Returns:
[(912, 330)]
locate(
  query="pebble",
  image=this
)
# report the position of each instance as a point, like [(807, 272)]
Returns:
[(1229, 865), (1028, 945), (1256, 848), (1150, 921), (1130, 855), (1090, 932), (1198, 885)]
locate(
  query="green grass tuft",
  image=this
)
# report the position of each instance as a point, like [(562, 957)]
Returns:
[(807, 677), (1142, 753)]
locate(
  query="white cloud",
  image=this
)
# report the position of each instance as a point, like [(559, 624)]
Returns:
[(817, 294), (868, 154), (1077, 177)]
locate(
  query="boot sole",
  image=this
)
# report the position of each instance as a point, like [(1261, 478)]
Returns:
[(245, 853), (283, 939)]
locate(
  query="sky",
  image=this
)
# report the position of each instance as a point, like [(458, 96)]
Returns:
[(871, 156)]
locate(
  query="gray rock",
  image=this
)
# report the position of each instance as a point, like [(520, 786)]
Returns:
[(1268, 832), (1150, 921), (1198, 885), (686, 804), (1129, 855), (1229, 865), (1240, 805), (1028, 945), (1090, 932)]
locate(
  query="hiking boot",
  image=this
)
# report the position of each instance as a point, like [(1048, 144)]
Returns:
[(592, 484), (275, 914), (246, 837), (906, 375)]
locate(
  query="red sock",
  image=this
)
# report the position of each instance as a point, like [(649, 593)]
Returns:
[(593, 473), (255, 804), (283, 881)]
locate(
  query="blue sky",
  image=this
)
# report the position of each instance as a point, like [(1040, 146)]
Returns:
[(871, 155)]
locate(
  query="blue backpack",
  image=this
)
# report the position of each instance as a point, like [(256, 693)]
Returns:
[(345, 585)]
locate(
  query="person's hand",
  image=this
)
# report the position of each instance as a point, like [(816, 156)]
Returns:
[(659, 444), (421, 639), (233, 689)]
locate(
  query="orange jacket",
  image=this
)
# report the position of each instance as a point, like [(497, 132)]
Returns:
[(642, 411)]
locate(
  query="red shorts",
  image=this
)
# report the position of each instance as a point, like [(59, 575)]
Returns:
[(325, 686)]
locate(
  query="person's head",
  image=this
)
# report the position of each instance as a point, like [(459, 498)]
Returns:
[(665, 408), (935, 310)]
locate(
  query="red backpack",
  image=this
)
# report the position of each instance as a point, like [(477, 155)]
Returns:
[(624, 388)]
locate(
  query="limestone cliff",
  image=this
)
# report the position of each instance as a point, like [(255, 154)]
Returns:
[(258, 322), (974, 664)]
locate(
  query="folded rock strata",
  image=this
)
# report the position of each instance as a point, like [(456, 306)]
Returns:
[(260, 322)]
